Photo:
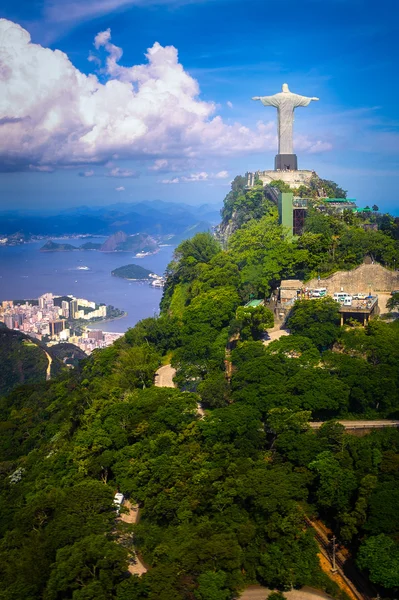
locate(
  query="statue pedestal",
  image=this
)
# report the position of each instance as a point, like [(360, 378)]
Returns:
[(293, 178), (286, 162)]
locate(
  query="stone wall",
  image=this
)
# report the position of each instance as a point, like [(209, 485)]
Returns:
[(293, 178), (367, 278)]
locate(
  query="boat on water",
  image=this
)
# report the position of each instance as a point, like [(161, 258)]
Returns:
[(158, 282), (83, 268)]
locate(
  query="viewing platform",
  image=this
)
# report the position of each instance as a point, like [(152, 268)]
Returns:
[(361, 310)]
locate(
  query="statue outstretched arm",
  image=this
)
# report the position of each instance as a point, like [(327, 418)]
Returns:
[(267, 100), (302, 100)]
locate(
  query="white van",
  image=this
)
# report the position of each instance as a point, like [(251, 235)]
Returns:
[(118, 501), (343, 298), (340, 296), (319, 292)]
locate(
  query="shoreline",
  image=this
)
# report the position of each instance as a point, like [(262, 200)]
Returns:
[(125, 314), (128, 279)]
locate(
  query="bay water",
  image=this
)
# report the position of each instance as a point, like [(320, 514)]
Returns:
[(26, 273)]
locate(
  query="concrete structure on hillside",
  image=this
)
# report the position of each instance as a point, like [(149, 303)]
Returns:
[(292, 209), (293, 178), (368, 278), (285, 102), (360, 310), (290, 290), (292, 212), (340, 204)]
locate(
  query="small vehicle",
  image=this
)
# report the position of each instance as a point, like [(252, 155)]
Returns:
[(118, 501), (341, 296), (319, 292), (347, 301), (359, 296)]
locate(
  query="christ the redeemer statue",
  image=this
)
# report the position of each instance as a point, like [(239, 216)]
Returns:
[(285, 102)]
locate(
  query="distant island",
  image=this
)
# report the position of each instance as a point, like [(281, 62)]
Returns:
[(140, 243), (51, 246), (132, 272)]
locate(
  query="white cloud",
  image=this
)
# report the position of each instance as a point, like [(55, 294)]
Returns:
[(41, 168), (74, 11), (229, 104), (161, 164), (120, 188), (202, 176), (53, 115), (302, 142), (118, 172), (89, 173), (168, 181), (197, 177)]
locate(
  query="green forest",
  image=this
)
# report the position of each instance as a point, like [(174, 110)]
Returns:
[(131, 272), (223, 497)]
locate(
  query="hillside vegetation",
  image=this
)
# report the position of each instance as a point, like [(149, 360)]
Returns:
[(22, 360), (221, 498), (131, 272)]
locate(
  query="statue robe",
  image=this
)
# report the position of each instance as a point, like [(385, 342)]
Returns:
[(286, 103)]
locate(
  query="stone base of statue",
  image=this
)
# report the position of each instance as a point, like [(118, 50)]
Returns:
[(286, 162), (293, 178)]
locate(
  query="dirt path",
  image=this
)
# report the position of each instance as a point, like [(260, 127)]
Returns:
[(257, 592), (136, 567), (164, 376)]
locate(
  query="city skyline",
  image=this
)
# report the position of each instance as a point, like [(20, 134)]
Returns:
[(52, 319), (184, 92)]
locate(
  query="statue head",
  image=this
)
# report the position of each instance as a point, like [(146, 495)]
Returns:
[(285, 87)]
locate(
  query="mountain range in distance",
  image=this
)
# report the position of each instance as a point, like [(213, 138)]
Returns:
[(156, 218), (117, 242)]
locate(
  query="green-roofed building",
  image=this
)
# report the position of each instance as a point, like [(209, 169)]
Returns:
[(254, 303)]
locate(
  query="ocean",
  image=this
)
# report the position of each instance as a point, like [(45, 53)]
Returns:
[(26, 273)]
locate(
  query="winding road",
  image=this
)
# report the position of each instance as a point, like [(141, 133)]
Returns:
[(257, 592), (48, 370), (136, 567), (164, 376)]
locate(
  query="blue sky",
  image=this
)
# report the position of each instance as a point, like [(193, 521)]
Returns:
[(179, 124)]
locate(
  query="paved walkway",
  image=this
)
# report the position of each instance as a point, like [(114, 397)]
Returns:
[(136, 567), (275, 335), (48, 370), (381, 424), (164, 376), (257, 592)]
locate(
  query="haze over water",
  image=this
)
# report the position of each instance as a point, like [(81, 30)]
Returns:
[(26, 273)]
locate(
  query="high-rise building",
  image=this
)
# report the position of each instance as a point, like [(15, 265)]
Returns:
[(18, 319), (46, 300), (8, 321), (64, 335), (73, 308), (56, 327), (96, 334), (65, 309)]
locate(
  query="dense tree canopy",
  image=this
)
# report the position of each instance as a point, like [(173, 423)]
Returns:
[(222, 493)]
